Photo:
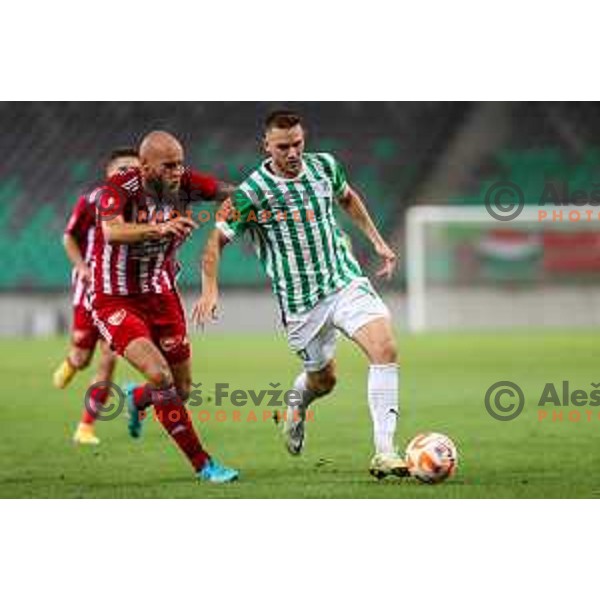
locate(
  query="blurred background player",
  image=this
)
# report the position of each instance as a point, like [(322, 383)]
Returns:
[(134, 300), (286, 204), (78, 241)]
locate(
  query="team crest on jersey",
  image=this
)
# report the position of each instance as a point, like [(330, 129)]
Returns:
[(323, 187), (117, 317)]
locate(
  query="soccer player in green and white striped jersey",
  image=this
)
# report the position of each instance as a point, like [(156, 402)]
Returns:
[(286, 206)]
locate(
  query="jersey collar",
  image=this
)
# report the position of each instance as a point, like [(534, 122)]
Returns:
[(272, 175)]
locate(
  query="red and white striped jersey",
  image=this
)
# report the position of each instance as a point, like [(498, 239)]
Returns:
[(82, 227), (145, 267)]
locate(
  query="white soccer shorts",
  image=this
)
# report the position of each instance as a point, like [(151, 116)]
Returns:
[(313, 334)]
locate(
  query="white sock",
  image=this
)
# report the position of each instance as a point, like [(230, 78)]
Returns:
[(383, 402), (307, 395)]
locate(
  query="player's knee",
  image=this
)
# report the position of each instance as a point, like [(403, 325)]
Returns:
[(160, 377), (387, 352), (323, 383), (329, 382), (80, 359)]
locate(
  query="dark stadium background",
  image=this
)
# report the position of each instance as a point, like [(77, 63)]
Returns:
[(397, 154)]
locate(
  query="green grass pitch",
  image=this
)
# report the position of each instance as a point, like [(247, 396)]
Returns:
[(444, 380)]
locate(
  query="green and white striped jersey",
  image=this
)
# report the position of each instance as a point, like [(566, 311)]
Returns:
[(294, 231)]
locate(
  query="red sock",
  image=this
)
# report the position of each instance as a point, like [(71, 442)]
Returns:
[(142, 397), (97, 397), (174, 417)]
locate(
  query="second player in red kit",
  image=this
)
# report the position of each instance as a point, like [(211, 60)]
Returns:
[(78, 241)]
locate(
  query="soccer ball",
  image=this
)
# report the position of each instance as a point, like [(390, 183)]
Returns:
[(431, 457)]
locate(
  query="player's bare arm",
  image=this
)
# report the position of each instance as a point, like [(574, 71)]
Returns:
[(205, 308), (117, 231), (74, 255), (353, 205)]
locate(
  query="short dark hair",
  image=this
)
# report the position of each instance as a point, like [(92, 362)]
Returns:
[(282, 119), (124, 152)]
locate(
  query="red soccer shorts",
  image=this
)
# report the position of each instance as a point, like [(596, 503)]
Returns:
[(157, 317), (84, 334)]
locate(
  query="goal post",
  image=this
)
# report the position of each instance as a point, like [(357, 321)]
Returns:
[(466, 270)]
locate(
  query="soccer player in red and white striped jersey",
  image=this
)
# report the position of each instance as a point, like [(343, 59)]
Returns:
[(136, 307), (129, 267), (78, 241)]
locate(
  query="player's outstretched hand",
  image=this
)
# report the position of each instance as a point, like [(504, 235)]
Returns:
[(178, 228), (390, 260), (205, 310)]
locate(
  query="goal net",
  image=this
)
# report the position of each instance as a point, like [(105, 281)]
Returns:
[(466, 270)]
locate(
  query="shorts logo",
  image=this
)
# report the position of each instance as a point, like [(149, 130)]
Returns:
[(117, 318)]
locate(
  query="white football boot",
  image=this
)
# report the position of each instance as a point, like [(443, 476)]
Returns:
[(294, 429), (384, 465)]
